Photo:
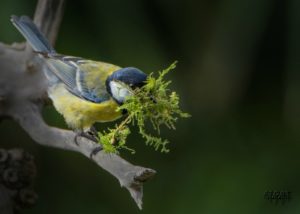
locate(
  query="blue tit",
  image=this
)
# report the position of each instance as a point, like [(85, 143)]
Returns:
[(83, 91)]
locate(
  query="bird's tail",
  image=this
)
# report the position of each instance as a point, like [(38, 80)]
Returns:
[(32, 34)]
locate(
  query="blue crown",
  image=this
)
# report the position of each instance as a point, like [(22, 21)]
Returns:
[(131, 76)]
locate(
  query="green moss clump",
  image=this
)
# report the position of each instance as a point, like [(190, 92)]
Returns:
[(154, 103)]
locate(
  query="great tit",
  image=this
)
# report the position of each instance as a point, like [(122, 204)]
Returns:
[(83, 91)]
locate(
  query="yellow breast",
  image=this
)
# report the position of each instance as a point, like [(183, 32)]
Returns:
[(79, 113)]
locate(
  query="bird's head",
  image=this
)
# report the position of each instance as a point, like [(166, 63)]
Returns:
[(118, 82)]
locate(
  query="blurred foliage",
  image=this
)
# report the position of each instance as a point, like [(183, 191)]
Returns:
[(239, 78)]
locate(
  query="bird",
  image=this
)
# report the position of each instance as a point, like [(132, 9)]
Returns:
[(84, 91)]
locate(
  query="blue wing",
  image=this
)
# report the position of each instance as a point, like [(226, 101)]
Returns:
[(83, 78)]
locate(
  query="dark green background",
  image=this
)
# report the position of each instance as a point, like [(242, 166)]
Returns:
[(238, 75)]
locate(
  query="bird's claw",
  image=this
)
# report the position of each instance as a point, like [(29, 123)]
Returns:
[(93, 131), (91, 134), (86, 135), (95, 151)]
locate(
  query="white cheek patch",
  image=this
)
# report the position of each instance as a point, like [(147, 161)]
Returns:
[(119, 91)]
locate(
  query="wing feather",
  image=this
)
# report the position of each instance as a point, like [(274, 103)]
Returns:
[(84, 78)]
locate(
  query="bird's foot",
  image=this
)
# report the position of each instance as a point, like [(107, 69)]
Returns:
[(93, 132), (86, 135), (95, 151), (92, 135)]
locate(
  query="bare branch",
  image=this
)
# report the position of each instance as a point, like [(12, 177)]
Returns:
[(48, 16), (129, 176), (17, 172)]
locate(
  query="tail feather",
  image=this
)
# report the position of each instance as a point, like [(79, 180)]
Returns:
[(32, 34)]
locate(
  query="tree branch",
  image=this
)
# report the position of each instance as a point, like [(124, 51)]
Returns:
[(48, 15), (17, 173), (22, 92), (129, 176)]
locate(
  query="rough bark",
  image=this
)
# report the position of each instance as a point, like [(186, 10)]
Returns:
[(17, 175)]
